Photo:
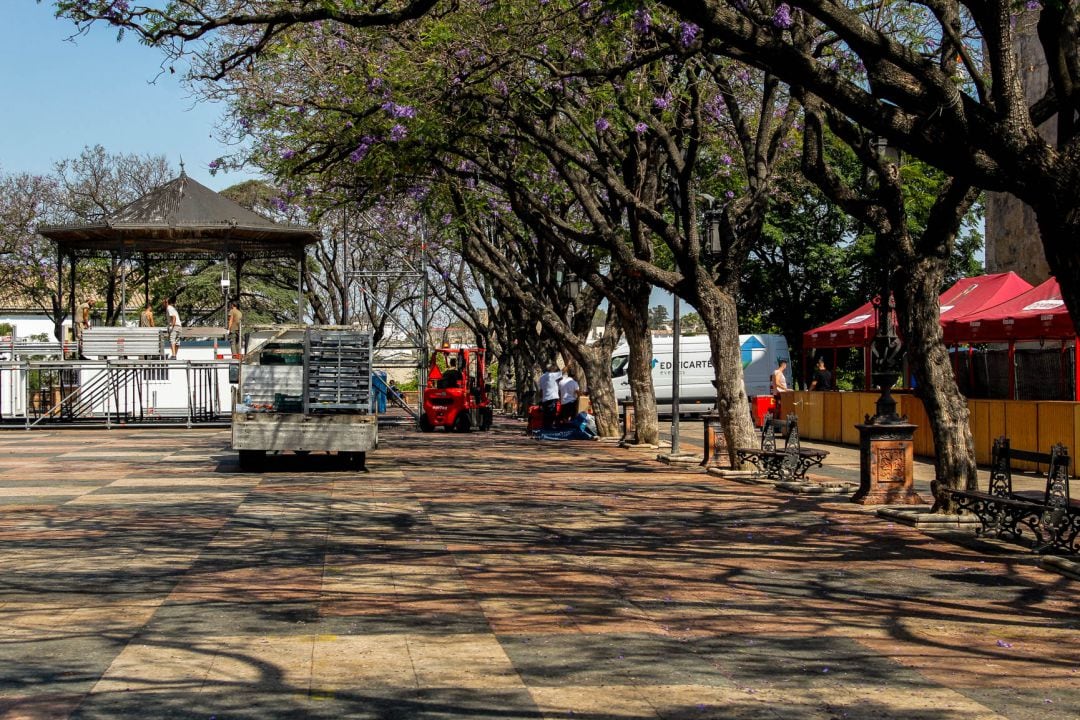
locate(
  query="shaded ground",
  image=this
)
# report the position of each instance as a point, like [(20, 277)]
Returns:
[(492, 577)]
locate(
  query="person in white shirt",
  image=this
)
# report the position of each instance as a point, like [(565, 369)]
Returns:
[(549, 394), (569, 392), (172, 321), (778, 382)]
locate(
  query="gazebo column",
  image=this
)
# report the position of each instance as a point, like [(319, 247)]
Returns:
[(146, 280), (71, 292), (58, 326), (300, 288), (239, 270)]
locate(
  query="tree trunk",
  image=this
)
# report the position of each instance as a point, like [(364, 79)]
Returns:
[(917, 287), (595, 363), (639, 339), (721, 320)]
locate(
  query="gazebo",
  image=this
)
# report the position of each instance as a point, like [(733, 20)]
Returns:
[(181, 218)]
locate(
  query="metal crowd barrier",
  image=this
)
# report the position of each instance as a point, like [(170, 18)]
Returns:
[(114, 392)]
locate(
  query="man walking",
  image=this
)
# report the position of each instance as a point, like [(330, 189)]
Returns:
[(549, 394), (174, 325)]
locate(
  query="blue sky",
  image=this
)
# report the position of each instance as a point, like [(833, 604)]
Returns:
[(63, 95)]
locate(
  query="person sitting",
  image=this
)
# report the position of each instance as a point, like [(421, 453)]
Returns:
[(451, 377)]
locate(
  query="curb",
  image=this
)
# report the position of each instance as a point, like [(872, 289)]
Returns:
[(920, 517), (685, 461), (1054, 563), (813, 488)]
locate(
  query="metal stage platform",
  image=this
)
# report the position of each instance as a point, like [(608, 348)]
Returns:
[(73, 393)]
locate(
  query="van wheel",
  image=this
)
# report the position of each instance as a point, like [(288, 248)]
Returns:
[(356, 460)]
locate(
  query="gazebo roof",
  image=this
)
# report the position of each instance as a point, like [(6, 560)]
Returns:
[(183, 216)]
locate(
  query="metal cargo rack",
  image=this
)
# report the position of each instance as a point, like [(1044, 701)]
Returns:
[(337, 371)]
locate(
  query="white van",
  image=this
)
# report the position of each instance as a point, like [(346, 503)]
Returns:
[(760, 355)]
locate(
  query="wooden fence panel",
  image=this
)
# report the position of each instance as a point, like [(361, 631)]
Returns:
[(1057, 424), (1022, 427), (831, 418), (850, 415)]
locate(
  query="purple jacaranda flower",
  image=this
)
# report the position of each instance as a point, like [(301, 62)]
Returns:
[(215, 164), (447, 219), (782, 16), (398, 132), (602, 125), (688, 32), (725, 159), (642, 21), (662, 102), (641, 128), (399, 111), (1032, 4), (288, 154), (361, 150), (278, 204), (730, 194)]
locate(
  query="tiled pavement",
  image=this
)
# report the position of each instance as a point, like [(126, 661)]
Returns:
[(492, 577)]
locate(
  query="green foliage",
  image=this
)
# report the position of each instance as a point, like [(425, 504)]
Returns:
[(658, 317)]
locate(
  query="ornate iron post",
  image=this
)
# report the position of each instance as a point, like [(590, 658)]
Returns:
[(886, 440)]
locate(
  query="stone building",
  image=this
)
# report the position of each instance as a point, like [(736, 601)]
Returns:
[(1012, 234)]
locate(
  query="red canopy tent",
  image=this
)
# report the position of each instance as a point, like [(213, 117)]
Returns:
[(967, 295), (1038, 314)]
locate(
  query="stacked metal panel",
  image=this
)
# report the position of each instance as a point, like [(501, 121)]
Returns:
[(337, 370), (105, 342)]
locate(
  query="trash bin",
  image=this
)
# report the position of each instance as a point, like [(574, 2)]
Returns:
[(762, 405)]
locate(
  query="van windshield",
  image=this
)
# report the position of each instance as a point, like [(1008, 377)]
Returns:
[(619, 364)]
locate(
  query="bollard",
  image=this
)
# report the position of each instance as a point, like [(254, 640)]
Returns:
[(629, 425), (715, 440)]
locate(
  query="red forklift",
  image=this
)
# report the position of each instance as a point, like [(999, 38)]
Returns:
[(456, 396)]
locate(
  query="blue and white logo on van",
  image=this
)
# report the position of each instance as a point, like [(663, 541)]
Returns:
[(751, 350)]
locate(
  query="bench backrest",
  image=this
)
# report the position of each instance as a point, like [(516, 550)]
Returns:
[(768, 433), (790, 464), (1057, 478), (1057, 473), (788, 428), (1001, 468)]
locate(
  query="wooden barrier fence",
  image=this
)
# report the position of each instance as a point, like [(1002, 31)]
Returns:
[(1029, 424)]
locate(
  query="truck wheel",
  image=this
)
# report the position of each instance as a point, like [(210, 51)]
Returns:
[(358, 461), (252, 460), (425, 424), (463, 423)]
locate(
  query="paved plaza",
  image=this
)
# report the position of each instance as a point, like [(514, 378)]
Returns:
[(488, 576)]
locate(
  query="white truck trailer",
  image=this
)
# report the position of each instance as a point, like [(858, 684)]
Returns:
[(305, 389)]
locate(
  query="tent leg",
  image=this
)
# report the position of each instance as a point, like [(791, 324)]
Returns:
[(1076, 369), (1012, 369)]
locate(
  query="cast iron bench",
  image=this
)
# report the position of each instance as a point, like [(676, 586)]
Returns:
[(789, 464), (1053, 519)]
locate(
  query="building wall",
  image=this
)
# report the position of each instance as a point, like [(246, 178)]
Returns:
[(1012, 235)]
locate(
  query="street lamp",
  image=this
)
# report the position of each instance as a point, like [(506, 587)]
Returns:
[(887, 440)]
